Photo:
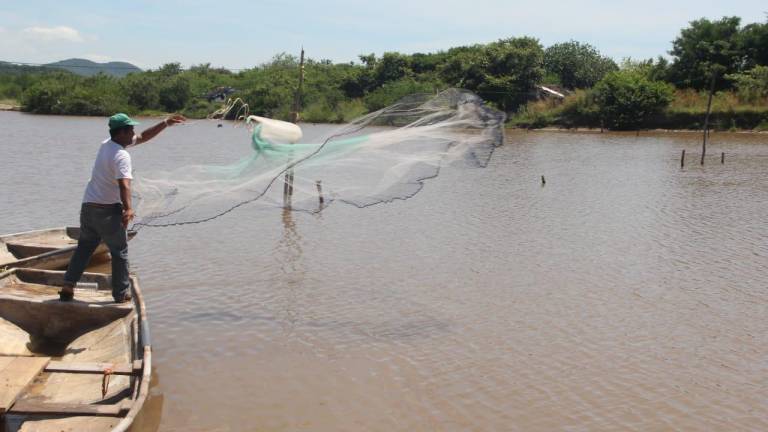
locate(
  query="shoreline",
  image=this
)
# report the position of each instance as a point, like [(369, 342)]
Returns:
[(633, 132), (585, 130)]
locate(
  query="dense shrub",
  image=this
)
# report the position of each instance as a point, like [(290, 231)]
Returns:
[(751, 85), (626, 99), (392, 92)]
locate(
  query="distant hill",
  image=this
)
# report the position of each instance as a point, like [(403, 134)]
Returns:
[(88, 68), (77, 66), (14, 69)]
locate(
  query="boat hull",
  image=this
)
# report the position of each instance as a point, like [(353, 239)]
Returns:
[(88, 361), (48, 249)]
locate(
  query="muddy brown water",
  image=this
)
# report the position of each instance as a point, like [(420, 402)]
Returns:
[(625, 294)]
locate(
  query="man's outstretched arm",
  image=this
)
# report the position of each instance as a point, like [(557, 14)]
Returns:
[(152, 131)]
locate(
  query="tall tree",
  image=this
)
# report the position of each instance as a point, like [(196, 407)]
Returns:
[(706, 49), (391, 67), (514, 69), (503, 72), (754, 43), (577, 65)]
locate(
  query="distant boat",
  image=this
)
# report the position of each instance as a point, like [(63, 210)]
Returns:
[(48, 249), (79, 365)]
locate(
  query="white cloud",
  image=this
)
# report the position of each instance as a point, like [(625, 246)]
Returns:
[(53, 34)]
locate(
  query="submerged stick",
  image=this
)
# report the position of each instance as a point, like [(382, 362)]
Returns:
[(320, 198)]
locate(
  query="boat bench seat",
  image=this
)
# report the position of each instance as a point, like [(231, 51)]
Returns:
[(16, 373), (95, 368)]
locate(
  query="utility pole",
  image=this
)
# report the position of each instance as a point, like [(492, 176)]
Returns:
[(288, 183), (706, 118)]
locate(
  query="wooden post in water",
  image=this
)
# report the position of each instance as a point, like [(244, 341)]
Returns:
[(320, 198), (682, 159), (722, 157), (288, 183), (706, 118)]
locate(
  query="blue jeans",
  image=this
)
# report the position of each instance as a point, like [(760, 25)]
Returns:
[(97, 224)]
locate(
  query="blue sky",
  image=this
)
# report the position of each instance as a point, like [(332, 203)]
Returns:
[(240, 34)]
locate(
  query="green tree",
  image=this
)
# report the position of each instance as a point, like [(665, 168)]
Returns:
[(391, 92), (705, 49), (754, 44), (577, 65), (427, 63), (10, 90), (43, 97), (141, 91), (83, 102), (169, 69), (626, 99), (465, 68), (751, 85), (657, 70), (369, 60), (504, 72), (174, 93), (391, 67), (514, 69)]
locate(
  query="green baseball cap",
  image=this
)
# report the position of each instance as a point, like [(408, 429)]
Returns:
[(121, 120)]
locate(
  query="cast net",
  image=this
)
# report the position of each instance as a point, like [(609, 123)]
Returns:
[(383, 156)]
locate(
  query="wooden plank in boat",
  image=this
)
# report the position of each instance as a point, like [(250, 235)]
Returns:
[(15, 375), (97, 368), (30, 407)]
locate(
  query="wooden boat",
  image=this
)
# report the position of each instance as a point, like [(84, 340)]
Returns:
[(48, 249), (82, 365)]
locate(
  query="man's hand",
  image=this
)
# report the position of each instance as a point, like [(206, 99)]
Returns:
[(175, 119), (128, 215), (151, 132)]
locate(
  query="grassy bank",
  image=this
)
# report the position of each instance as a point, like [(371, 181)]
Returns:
[(9, 105), (687, 111)]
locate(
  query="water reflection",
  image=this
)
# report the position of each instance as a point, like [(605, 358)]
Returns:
[(148, 419), (289, 256)]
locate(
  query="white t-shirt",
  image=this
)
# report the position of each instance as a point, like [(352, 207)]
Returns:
[(112, 162)]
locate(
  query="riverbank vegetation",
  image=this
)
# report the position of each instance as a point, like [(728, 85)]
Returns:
[(516, 75)]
